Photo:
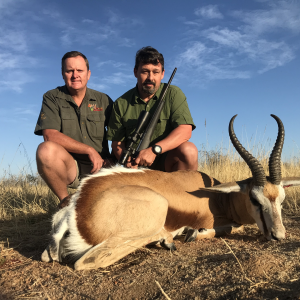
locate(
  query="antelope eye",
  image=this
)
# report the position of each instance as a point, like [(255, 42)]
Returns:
[(254, 201)]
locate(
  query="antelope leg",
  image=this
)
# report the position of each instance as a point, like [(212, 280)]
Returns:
[(194, 234), (115, 248)]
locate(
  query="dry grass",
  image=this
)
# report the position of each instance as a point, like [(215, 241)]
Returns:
[(24, 196)]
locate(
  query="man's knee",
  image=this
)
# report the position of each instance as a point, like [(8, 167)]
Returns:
[(188, 150), (184, 157), (47, 152)]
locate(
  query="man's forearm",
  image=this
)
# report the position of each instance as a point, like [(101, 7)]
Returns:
[(68, 143), (176, 137)]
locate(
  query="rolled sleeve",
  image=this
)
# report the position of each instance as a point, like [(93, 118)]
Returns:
[(180, 112), (49, 116)]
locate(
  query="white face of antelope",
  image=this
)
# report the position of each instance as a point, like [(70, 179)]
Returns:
[(265, 207)]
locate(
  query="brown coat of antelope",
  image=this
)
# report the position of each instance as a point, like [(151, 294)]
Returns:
[(119, 210)]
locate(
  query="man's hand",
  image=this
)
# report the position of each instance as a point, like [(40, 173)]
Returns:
[(96, 159), (145, 158), (131, 163), (75, 147)]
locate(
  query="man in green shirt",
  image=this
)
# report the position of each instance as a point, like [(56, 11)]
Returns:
[(72, 122), (170, 149)]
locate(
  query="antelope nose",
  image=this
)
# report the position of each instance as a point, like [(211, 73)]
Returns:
[(277, 236), (274, 238)]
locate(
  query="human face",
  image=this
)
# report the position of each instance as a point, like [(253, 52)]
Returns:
[(149, 78), (76, 74)]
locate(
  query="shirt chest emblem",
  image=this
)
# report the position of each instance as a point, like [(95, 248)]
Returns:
[(94, 107)]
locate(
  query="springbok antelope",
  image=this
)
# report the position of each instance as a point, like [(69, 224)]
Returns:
[(119, 210)]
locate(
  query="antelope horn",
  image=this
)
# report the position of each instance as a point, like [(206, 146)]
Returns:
[(275, 157), (254, 165)]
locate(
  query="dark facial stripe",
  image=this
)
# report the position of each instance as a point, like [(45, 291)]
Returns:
[(257, 204), (263, 221), (254, 202)]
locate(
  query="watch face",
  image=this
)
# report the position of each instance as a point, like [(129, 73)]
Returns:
[(156, 149)]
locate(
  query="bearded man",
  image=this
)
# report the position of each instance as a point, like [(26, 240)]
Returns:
[(170, 149)]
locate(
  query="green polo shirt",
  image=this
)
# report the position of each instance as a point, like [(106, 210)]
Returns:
[(85, 124), (128, 107)]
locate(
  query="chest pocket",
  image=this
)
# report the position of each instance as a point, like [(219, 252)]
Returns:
[(68, 120), (163, 128), (95, 125)]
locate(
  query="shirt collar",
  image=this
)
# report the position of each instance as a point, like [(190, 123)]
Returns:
[(64, 94), (89, 95)]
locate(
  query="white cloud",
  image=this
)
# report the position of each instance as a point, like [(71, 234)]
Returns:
[(105, 82), (125, 42), (225, 37), (118, 78), (15, 80), (190, 23), (21, 35), (273, 55), (10, 61), (195, 54), (209, 12), (74, 35), (8, 7), (17, 39), (270, 54), (13, 40), (259, 42), (88, 21), (117, 19), (282, 15), (4, 3), (93, 32), (18, 112), (97, 86), (52, 14), (208, 65), (112, 63), (24, 111)]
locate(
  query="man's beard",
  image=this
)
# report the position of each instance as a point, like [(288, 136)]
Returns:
[(148, 90)]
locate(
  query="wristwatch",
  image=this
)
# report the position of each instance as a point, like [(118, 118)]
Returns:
[(156, 149)]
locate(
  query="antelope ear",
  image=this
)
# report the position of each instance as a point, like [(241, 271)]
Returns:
[(238, 186), (290, 181)]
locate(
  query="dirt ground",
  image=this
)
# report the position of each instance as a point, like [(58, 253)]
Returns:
[(239, 266)]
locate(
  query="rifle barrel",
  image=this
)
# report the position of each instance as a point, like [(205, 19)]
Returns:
[(145, 140)]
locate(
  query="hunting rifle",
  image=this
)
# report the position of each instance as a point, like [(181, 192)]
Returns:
[(141, 124)]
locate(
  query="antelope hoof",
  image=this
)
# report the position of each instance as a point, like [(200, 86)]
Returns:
[(168, 246), (191, 235)]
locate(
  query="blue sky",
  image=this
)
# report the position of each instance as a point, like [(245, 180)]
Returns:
[(233, 57)]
